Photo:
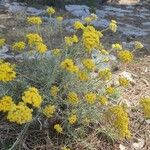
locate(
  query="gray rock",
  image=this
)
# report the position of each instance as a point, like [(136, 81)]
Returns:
[(78, 10)]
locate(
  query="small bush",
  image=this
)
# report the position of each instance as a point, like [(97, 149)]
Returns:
[(65, 85)]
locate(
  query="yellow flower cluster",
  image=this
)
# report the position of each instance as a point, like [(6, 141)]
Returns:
[(68, 64), (78, 25), (113, 25), (49, 110), (50, 10), (72, 119), (88, 19), (90, 97), (58, 128), (91, 38), (56, 52), (83, 76), (145, 102), (34, 20), (19, 46), (54, 91), (72, 98), (20, 114), (65, 148), (41, 48), (34, 38), (117, 46), (59, 19), (102, 100), (105, 74), (7, 72), (6, 103), (32, 96), (123, 81), (70, 40), (125, 56), (118, 117), (2, 42), (88, 63), (110, 90), (138, 45)]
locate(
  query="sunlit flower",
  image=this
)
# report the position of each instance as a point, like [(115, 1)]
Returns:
[(50, 10), (72, 98), (72, 119), (41, 48), (88, 63), (49, 111), (58, 128), (20, 114), (7, 72), (6, 103), (105, 74), (123, 81), (34, 20), (138, 45), (56, 52), (90, 97), (32, 96), (59, 19), (113, 25), (19, 46), (83, 76), (125, 56), (117, 46), (118, 117), (102, 100), (78, 25)]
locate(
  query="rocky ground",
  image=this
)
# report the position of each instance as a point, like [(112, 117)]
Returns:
[(134, 24)]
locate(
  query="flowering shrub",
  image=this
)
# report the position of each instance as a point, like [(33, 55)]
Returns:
[(62, 87)]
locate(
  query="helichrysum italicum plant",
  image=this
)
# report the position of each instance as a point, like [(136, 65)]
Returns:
[(61, 87)]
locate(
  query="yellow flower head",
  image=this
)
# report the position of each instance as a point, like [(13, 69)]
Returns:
[(32, 96), (59, 19), (65, 148), (105, 74), (145, 103), (2, 42), (102, 100), (41, 48), (88, 19), (19, 46), (78, 25), (49, 111), (34, 38), (90, 97), (68, 40), (54, 91), (125, 56), (7, 72), (68, 64), (34, 20), (83, 76), (104, 52), (91, 38), (6, 103), (75, 39), (110, 90), (123, 81), (138, 45), (72, 119), (117, 46), (88, 63), (118, 117), (113, 25), (20, 114), (50, 10), (56, 52), (72, 98), (58, 128)]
